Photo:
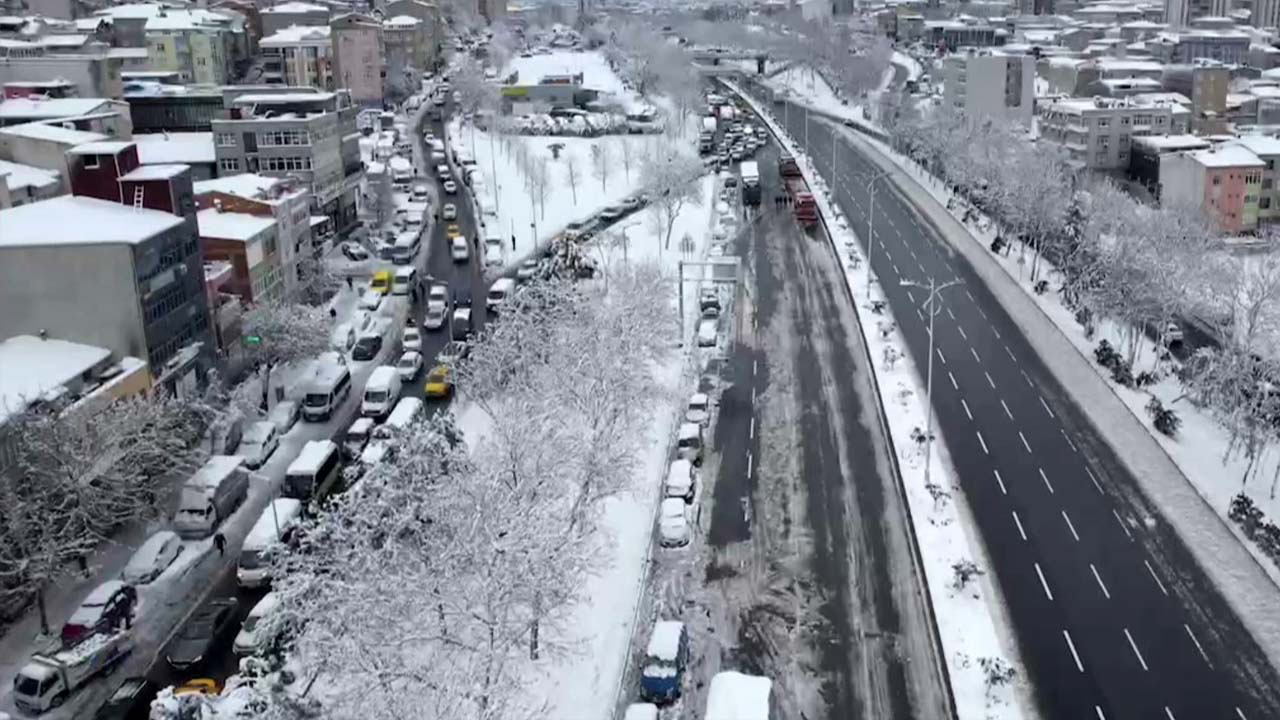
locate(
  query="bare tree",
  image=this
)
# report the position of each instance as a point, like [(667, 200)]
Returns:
[(572, 174), (539, 180), (601, 163), (281, 332), (627, 151), (671, 182)]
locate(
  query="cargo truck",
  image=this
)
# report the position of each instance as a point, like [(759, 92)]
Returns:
[(46, 681), (750, 182), (802, 202)]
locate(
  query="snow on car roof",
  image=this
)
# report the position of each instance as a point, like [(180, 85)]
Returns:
[(146, 554), (266, 604), (215, 469), (664, 644), (735, 696), (688, 430), (263, 533), (698, 399), (641, 711), (312, 457), (672, 507)]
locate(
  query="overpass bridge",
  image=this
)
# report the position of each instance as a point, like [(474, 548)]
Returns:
[(708, 56)]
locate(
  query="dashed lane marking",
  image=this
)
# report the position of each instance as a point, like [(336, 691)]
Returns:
[(1138, 652), (1072, 647), (1071, 526), (1155, 577), (1123, 527), (1011, 355), (1044, 583), (752, 434), (1105, 593), (1005, 406), (1199, 647), (1017, 521), (941, 357), (983, 443), (1045, 478), (975, 355), (748, 464), (951, 314), (997, 332), (990, 382), (1092, 477), (911, 297), (965, 405), (1027, 377), (999, 480), (1045, 405), (953, 380), (1023, 438), (962, 333)]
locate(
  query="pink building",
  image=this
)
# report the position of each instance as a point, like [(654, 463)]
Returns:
[(1223, 181), (358, 57)]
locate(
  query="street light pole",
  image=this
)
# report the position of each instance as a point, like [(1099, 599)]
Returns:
[(871, 213), (932, 305)]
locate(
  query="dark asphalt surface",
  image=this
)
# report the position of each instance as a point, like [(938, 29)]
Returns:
[(1114, 618), (873, 662)]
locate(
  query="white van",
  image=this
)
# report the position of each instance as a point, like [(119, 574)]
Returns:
[(405, 280), (331, 385), (498, 294), (315, 471), (405, 249), (380, 392), (274, 526), (382, 439), (212, 494), (250, 639)]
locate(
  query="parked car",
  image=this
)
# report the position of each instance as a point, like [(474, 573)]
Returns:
[(198, 686), (689, 442), (257, 444), (285, 414), (250, 638), (420, 191), (152, 558), (412, 339), (528, 270), (435, 316), (438, 295), (708, 329), (699, 409), (130, 701), (357, 436), (459, 250), (438, 383), (442, 171), (449, 212), (410, 365), (664, 662), (673, 523), (451, 187), (452, 352), (201, 633), (354, 251), (370, 300), (612, 212), (681, 481), (367, 347), (109, 605)]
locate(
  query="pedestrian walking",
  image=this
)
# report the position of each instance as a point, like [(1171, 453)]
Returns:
[(333, 313), (513, 243), (349, 283), (220, 542)]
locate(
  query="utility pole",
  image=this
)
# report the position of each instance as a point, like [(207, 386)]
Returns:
[(931, 305), (871, 213)]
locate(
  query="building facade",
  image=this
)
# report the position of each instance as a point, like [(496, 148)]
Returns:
[(299, 56), (250, 244), (1222, 181), (287, 202), (358, 52), (293, 14), (986, 84), (1096, 132), (1267, 149)]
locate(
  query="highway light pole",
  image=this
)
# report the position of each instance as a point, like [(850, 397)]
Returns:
[(871, 213), (931, 305)]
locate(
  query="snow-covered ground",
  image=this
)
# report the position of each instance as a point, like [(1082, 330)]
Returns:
[(971, 621), (914, 70), (596, 73), (585, 682)]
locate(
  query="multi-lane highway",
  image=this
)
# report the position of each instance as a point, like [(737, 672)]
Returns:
[(1114, 618)]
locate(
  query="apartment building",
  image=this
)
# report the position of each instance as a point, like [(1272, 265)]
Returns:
[(433, 24), (200, 45), (287, 202), (44, 146), (358, 57), (1223, 181), (310, 136), (298, 56), (93, 73), (1267, 149), (1147, 152), (291, 14), (1096, 132), (406, 40), (23, 184), (250, 244), (1226, 46), (991, 84), (160, 107)]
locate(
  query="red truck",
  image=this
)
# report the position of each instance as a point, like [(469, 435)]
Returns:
[(802, 202), (787, 166)]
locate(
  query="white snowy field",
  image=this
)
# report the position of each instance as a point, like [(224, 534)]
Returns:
[(585, 682), (971, 621), (914, 70), (596, 73)]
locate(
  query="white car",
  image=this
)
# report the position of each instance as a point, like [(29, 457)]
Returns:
[(257, 444), (459, 250), (699, 410), (412, 339), (442, 172), (438, 295), (707, 330), (450, 187), (528, 269), (435, 317), (493, 253), (673, 523), (247, 641), (410, 365), (449, 212), (156, 554), (343, 337), (285, 414), (419, 192), (370, 300)]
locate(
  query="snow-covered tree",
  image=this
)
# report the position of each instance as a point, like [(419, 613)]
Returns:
[(601, 163), (572, 175), (671, 182), (627, 151), (539, 180), (278, 332)]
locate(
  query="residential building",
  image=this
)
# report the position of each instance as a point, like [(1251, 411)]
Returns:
[(94, 114), (157, 107), (406, 40), (293, 14), (307, 135), (94, 73), (225, 311), (199, 44), (250, 244), (36, 89), (358, 57), (44, 146), (96, 168), (286, 201), (1178, 14), (429, 14), (952, 34), (298, 56), (1266, 14), (193, 149), (1206, 83), (1267, 148), (1096, 132), (1227, 46), (991, 84), (22, 184), (1148, 151), (1223, 181), (133, 278)]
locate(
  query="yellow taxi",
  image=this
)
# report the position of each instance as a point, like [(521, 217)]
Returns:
[(451, 231), (198, 686), (381, 281), (438, 383)]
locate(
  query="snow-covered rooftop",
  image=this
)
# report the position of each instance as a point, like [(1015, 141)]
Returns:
[(76, 220), (1226, 156), (26, 109), (52, 133), (664, 644), (216, 223), (294, 7), (734, 696), (63, 41), (402, 21), (1171, 142), (295, 34), (313, 455), (31, 367), (1261, 145), (18, 176), (155, 172), (187, 147), (101, 147), (283, 97), (250, 185)]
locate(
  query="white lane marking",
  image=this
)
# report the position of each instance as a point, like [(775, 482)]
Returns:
[(1044, 583), (1199, 647), (975, 355), (1094, 479), (911, 297), (990, 382), (1169, 712), (753, 428), (983, 314), (913, 252), (748, 464), (895, 269), (1045, 478), (919, 314), (1011, 355), (962, 333), (965, 405), (1155, 577), (1137, 652), (951, 314), (1017, 521), (1067, 437), (1072, 647), (941, 357), (983, 442), (953, 380), (999, 480), (1023, 438), (966, 292), (1045, 405), (1099, 711), (755, 365), (1240, 714), (997, 332), (1006, 408), (1106, 593), (1027, 377), (921, 266), (753, 396), (1123, 527), (1071, 526)]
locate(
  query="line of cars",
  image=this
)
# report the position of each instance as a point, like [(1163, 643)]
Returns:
[(731, 695)]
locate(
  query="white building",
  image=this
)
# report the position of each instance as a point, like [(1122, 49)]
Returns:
[(991, 83)]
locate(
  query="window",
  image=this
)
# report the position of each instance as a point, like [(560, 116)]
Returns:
[(286, 163), (91, 162), (284, 137), (1266, 184), (1265, 203), (1217, 180), (270, 244), (1124, 121), (229, 165), (225, 139), (1104, 122)]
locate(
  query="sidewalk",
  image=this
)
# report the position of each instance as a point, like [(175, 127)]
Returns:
[(1237, 575)]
